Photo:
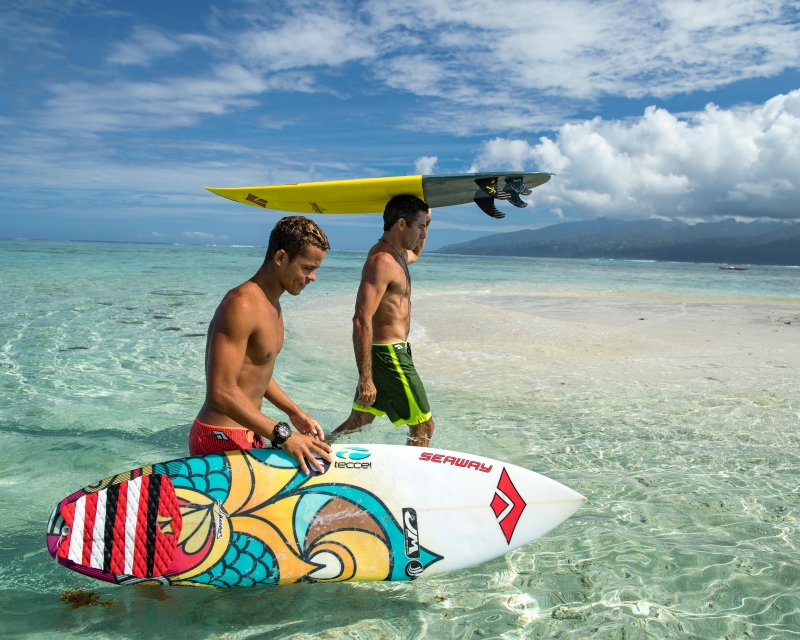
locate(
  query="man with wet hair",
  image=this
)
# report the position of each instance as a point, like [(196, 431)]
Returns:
[(244, 339), (388, 383)]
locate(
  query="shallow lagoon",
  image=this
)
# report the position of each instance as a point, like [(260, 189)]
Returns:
[(682, 429)]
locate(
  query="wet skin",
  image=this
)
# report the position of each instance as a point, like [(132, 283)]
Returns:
[(244, 340), (383, 312)]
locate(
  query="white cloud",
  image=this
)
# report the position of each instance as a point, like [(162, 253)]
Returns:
[(528, 63), (523, 65), (110, 176), (147, 44), (312, 38), (425, 165), (151, 105), (268, 122), (27, 29), (743, 162), (519, 66), (489, 228), (200, 235)]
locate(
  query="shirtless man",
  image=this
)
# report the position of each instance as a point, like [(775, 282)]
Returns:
[(388, 384), (244, 339)]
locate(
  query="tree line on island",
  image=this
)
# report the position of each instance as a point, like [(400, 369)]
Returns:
[(727, 241)]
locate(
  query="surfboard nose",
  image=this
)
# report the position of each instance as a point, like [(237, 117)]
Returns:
[(528, 505), (574, 495), (577, 499)]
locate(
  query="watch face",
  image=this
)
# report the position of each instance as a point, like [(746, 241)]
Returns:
[(283, 431)]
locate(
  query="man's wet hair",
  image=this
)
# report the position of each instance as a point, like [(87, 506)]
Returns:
[(404, 206), (294, 234)]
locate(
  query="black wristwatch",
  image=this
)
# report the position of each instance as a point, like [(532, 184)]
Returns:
[(280, 434)]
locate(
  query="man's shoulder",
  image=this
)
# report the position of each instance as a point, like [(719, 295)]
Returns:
[(241, 300), (380, 258), (380, 265)]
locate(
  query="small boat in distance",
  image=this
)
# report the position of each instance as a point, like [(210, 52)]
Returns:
[(728, 268)]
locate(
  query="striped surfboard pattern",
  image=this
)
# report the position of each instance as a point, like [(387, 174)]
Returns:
[(130, 528)]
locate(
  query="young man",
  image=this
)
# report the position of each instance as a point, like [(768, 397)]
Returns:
[(388, 384), (244, 339)]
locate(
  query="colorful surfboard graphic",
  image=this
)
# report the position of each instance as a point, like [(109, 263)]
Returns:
[(231, 519)]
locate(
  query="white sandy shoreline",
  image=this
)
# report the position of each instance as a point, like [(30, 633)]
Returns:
[(505, 345)]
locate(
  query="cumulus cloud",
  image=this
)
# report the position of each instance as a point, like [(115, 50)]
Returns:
[(742, 162), (425, 165)]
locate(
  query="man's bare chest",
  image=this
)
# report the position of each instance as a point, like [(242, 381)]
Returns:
[(398, 289), (265, 344)]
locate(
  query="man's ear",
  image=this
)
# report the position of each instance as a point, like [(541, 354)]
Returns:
[(281, 258)]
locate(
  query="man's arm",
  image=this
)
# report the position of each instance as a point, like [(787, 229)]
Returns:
[(413, 255), (234, 323), (303, 422), (374, 280)]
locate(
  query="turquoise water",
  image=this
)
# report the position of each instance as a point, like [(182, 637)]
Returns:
[(691, 526)]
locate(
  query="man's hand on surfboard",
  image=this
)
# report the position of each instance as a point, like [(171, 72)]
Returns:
[(366, 393), (305, 424), (304, 448)]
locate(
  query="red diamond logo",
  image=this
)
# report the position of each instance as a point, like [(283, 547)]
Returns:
[(507, 505), (498, 505)]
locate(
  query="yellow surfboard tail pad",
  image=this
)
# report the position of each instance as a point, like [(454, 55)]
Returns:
[(370, 195)]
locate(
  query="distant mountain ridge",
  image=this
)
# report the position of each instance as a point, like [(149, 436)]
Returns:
[(729, 241)]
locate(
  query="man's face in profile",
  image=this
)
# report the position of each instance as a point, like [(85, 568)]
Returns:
[(417, 231), (296, 274)]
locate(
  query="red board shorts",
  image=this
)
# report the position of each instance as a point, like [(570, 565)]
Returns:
[(205, 438)]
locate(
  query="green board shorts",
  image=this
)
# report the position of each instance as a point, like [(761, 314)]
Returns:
[(401, 395)]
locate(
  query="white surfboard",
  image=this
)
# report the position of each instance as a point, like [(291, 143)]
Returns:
[(379, 512)]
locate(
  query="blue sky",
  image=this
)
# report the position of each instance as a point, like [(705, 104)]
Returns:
[(115, 115)]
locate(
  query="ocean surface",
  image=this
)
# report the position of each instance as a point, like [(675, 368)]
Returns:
[(691, 526)]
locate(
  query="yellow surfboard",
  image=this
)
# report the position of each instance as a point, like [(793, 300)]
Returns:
[(370, 195)]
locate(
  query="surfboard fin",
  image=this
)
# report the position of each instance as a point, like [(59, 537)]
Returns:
[(485, 197), (489, 187), (514, 189), (487, 206), (489, 191)]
